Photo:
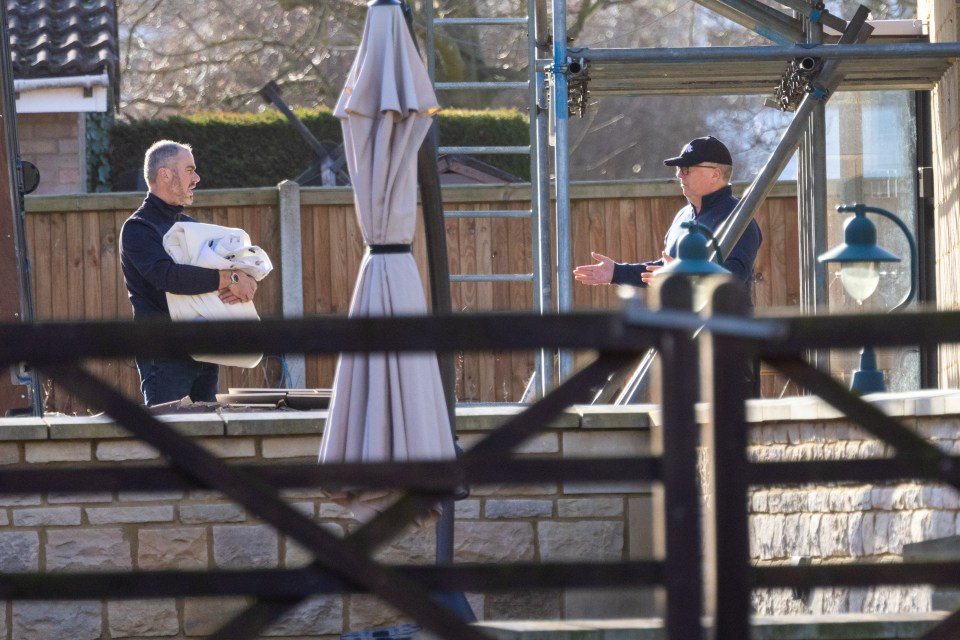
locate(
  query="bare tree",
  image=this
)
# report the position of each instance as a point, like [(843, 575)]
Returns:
[(214, 55), (182, 56)]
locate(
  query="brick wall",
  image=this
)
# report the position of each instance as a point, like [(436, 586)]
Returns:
[(201, 529), (54, 142)]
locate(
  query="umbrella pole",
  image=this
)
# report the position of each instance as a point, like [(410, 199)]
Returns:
[(431, 201)]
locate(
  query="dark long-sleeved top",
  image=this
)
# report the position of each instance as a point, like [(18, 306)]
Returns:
[(714, 209), (148, 270)]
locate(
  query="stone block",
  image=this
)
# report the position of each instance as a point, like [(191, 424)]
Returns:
[(466, 509), (23, 429), (333, 511), (589, 540), (245, 546), (492, 542), (204, 616), (79, 498), (370, 612), (202, 513), (542, 443), (87, 549), (636, 416), (514, 490), (195, 424), (291, 447), (598, 507), (316, 616), (834, 540), (768, 536), (142, 618), (19, 551), (179, 548), (46, 452), (40, 620), (9, 453), (47, 516), (230, 447), (84, 428), (120, 450), (518, 508), (275, 423), (132, 515), (149, 496)]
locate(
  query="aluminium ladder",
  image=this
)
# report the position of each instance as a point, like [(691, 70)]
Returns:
[(538, 215)]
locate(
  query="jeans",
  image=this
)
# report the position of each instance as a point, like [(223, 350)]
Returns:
[(165, 380)]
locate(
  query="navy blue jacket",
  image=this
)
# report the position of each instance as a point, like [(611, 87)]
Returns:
[(148, 270), (714, 209)]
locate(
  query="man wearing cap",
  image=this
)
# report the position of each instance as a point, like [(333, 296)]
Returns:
[(704, 168)]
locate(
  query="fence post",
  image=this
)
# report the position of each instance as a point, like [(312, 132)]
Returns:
[(291, 273), (726, 513), (683, 567)]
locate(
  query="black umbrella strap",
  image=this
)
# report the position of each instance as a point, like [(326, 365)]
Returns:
[(389, 248)]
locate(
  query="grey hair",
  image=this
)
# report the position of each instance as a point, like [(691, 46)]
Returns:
[(159, 155), (726, 171)]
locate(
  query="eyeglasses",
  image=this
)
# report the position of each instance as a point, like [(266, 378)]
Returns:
[(686, 170)]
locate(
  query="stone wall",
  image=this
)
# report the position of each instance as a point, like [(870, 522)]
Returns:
[(546, 522), (843, 523), (201, 529), (941, 17)]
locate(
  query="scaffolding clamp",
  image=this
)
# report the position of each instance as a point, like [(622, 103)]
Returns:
[(816, 14), (798, 80), (817, 90), (578, 90)]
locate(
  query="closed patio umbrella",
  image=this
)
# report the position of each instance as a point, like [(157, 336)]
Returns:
[(385, 406)]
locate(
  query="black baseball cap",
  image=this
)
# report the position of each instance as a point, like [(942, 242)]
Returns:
[(699, 150)]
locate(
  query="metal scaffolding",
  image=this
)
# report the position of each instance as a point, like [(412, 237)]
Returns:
[(848, 62)]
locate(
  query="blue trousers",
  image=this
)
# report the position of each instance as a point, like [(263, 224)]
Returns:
[(165, 380)]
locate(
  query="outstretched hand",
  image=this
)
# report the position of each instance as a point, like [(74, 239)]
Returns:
[(600, 273), (647, 276)]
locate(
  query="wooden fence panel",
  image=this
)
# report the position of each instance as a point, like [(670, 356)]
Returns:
[(74, 252)]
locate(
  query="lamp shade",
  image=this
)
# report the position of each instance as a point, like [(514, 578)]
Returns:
[(693, 256), (858, 257), (859, 244)]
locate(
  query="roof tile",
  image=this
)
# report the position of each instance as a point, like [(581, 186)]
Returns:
[(59, 38)]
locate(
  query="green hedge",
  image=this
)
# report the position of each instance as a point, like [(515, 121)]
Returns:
[(256, 150)]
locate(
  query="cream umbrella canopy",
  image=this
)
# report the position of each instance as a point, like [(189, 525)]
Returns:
[(385, 406)]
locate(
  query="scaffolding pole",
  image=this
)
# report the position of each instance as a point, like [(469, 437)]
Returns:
[(830, 77), (838, 52), (562, 172), (759, 18)]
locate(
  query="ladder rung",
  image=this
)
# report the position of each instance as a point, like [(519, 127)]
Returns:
[(507, 213), (493, 277), (453, 86), (493, 150), (482, 21)]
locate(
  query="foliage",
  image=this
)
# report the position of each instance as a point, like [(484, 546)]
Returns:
[(253, 150), (97, 132)]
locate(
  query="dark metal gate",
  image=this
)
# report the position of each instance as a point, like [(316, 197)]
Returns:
[(720, 341)]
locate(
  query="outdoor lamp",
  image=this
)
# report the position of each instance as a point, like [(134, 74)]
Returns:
[(693, 253), (693, 260), (858, 257)]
